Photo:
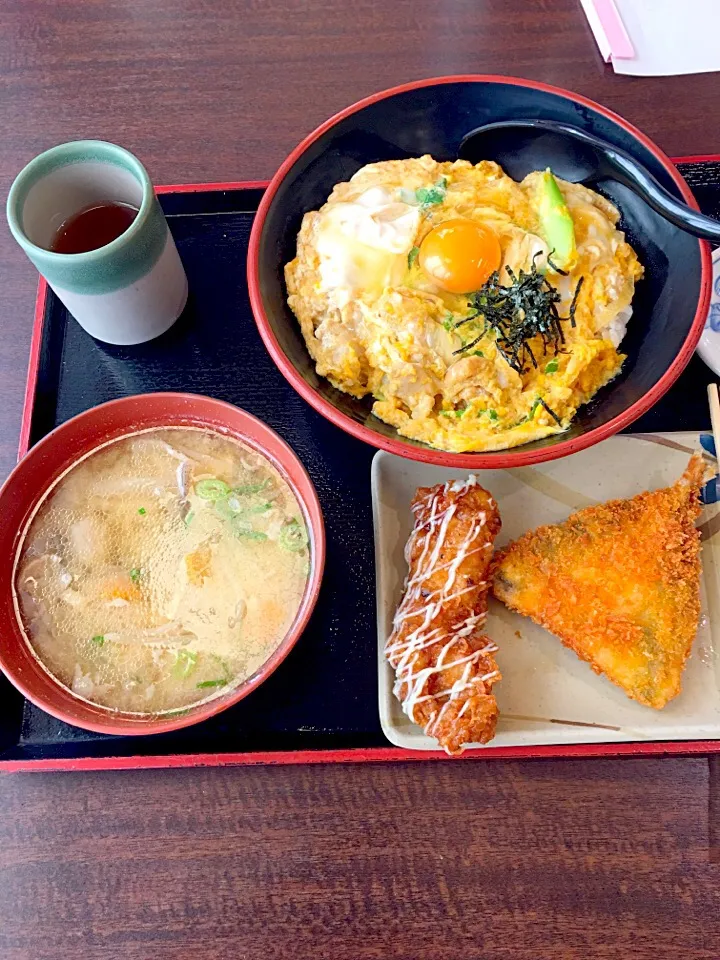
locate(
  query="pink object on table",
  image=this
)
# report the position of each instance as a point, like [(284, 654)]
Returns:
[(609, 30)]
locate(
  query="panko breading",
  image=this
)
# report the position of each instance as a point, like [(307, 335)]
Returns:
[(618, 583), (377, 322), (443, 663)]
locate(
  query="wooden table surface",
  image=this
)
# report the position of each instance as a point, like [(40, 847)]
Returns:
[(595, 860)]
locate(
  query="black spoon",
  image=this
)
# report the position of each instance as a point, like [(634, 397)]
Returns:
[(521, 146)]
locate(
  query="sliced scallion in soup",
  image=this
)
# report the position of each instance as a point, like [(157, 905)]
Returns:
[(162, 570)]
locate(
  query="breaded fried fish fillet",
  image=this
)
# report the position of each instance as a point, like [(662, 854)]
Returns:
[(618, 583), (443, 663)]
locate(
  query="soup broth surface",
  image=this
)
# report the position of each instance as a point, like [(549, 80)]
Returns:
[(162, 570)]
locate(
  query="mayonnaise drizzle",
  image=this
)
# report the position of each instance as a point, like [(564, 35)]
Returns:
[(402, 648)]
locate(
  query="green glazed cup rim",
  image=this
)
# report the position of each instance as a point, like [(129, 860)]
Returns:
[(65, 154)]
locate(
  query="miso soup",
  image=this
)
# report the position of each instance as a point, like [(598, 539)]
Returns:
[(162, 570)]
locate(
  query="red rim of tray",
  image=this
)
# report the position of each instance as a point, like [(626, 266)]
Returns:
[(496, 460), (82, 434), (285, 757)]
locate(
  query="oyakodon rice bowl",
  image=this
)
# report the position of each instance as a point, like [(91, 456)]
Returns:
[(478, 312)]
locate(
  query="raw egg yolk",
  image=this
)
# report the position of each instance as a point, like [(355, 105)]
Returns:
[(459, 255)]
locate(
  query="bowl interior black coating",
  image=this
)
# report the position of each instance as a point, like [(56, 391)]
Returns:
[(434, 120)]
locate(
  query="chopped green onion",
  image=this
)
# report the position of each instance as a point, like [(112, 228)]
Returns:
[(476, 353), (236, 506), (293, 536), (212, 489), (412, 256), (430, 196), (99, 640), (135, 574), (251, 488), (225, 668), (240, 524), (238, 514), (189, 518), (210, 683), (449, 323), (185, 663), (407, 196), (260, 508), (551, 367), (142, 511), (230, 508), (223, 509), (242, 529), (492, 414)]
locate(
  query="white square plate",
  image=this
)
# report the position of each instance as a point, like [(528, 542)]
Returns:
[(547, 695)]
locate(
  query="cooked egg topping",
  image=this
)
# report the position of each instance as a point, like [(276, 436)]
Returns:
[(459, 255), (418, 283)]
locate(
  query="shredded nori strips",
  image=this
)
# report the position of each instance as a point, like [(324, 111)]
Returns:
[(518, 313), (573, 305)]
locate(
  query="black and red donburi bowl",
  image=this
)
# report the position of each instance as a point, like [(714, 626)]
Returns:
[(433, 116)]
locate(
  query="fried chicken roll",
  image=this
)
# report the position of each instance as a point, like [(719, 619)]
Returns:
[(443, 663)]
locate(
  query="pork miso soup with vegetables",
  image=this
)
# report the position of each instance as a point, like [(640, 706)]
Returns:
[(162, 570)]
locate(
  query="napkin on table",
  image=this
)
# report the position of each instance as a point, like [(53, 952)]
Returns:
[(655, 38)]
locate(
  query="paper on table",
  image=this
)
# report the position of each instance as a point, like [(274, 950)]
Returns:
[(608, 28), (670, 37)]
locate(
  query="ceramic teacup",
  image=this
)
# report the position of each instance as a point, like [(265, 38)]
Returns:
[(126, 292)]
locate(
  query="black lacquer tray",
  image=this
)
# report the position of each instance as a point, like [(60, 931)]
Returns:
[(321, 703)]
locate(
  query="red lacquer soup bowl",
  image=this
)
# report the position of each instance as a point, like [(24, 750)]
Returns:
[(52, 457)]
